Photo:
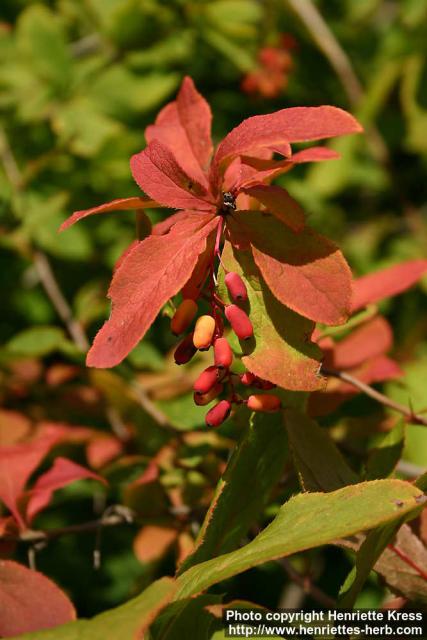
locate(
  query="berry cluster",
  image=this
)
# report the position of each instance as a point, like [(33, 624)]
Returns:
[(219, 379)]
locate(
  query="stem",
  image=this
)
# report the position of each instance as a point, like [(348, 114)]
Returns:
[(306, 584), (414, 418)]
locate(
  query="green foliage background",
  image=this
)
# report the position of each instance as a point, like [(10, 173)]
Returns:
[(79, 81)]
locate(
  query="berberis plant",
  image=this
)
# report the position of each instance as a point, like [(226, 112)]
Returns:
[(275, 302), (233, 228)]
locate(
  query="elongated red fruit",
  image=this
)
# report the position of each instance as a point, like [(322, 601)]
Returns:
[(204, 398), (236, 287), (206, 380), (239, 321), (185, 350), (203, 332), (220, 412), (223, 354), (183, 316), (268, 403), (247, 378), (265, 385)]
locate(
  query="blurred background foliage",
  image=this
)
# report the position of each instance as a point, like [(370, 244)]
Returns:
[(79, 81)]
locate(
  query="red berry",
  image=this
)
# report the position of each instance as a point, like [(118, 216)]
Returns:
[(239, 321), (185, 350), (236, 287), (204, 398), (267, 403), (206, 380), (247, 378), (265, 385), (220, 412), (183, 316), (222, 353)]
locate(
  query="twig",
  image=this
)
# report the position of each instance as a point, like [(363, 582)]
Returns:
[(414, 418), (307, 586), (50, 285), (118, 514)]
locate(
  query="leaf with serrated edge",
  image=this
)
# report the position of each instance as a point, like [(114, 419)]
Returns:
[(306, 521)]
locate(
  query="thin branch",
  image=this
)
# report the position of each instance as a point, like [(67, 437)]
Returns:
[(63, 309), (414, 418), (114, 516), (306, 585)]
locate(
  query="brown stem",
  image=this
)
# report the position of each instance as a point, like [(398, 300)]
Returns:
[(114, 516), (414, 418)]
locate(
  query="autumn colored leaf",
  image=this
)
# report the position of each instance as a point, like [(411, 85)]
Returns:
[(371, 339), (304, 271), (153, 541), (387, 282), (297, 124), (184, 126), (278, 202), (153, 272), (29, 601), (14, 426), (121, 204), (158, 173), (281, 351), (17, 463), (62, 473)]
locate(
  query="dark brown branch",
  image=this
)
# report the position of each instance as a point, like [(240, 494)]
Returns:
[(414, 418), (113, 517)]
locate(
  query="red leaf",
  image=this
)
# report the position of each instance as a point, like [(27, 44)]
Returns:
[(153, 272), (101, 450), (122, 204), (371, 339), (278, 202), (265, 170), (30, 601), (17, 463), (387, 282), (14, 426), (304, 271), (184, 127), (163, 227), (157, 172), (63, 472), (298, 124)]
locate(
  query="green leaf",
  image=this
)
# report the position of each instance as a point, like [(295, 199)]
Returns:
[(369, 552), (384, 457), (254, 468), (37, 341), (281, 350), (320, 465), (176, 621), (307, 521), (126, 622)]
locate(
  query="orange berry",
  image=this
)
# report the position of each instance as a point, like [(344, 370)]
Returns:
[(183, 316), (203, 332), (268, 403)]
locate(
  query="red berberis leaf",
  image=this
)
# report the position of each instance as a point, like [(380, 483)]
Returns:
[(154, 271), (29, 601), (298, 124), (304, 271), (122, 204), (387, 282), (63, 472), (17, 463), (278, 202), (184, 126), (158, 173)]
